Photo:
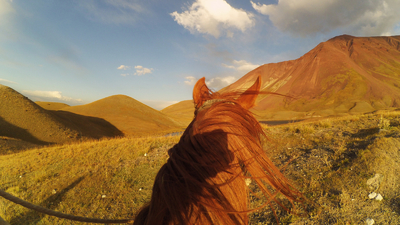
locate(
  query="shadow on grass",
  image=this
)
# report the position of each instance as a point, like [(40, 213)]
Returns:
[(395, 204), (88, 126), (52, 202), (359, 142), (10, 130)]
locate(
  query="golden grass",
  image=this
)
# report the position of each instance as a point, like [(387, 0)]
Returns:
[(73, 178), (332, 160), (329, 160), (128, 115), (22, 119)]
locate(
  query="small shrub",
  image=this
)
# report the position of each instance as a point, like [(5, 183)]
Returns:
[(325, 124), (384, 123)]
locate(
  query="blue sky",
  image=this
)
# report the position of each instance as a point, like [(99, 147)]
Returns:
[(79, 51)]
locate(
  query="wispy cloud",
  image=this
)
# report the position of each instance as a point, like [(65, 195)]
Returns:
[(5, 7), (190, 80), (112, 11), (140, 70), (49, 96), (7, 81), (68, 58), (123, 67), (7, 12), (220, 82), (241, 65), (215, 83), (308, 17), (214, 17)]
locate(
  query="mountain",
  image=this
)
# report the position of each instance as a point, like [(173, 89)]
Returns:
[(127, 114), (345, 74), (22, 119)]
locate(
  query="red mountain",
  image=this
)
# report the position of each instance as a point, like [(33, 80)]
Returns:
[(345, 74)]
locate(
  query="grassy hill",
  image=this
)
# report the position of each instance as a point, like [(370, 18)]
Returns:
[(10, 145), (329, 160), (182, 112), (127, 114), (52, 105), (22, 119)]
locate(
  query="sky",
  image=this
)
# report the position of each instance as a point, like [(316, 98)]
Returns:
[(80, 51)]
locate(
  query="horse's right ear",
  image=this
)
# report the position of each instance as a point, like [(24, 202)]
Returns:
[(201, 93), (248, 98)]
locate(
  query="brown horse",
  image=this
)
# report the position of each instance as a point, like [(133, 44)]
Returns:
[(204, 179)]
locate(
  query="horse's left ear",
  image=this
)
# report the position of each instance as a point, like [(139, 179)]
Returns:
[(248, 98), (201, 93)]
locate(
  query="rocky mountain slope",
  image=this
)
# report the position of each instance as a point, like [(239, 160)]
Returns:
[(345, 74)]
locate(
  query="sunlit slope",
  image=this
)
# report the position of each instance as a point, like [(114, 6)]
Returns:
[(127, 114), (22, 119), (52, 105), (342, 75), (182, 112)]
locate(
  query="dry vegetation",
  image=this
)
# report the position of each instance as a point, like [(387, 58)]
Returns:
[(332, 160), (329, 160), (103, 179)]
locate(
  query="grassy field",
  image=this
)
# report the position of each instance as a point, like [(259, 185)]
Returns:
[(329, 160)]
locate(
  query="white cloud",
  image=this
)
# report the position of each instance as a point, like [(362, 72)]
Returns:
[(123, 67), (220, 82), (213, 83), (49, 96), (112, 11), (7, 81), (241, 66), (308, 17), (214, 17), (140, 70), (190, 80)]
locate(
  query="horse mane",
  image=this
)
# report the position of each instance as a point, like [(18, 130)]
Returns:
[(203, 181)]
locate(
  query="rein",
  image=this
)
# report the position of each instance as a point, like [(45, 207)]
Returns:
[(58, 214)]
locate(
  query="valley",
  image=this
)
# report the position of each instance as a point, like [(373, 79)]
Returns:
[(334, 125)]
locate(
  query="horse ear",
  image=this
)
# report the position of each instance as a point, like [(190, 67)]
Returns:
[(201, 93), (248, 98)]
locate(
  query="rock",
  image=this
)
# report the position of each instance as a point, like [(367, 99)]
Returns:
[(247, 181), (372, 195), (379, 197), (373, 183), (375, 196), (370, 221)]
